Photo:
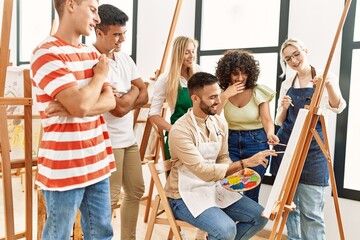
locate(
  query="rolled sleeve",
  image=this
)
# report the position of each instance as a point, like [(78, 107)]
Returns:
[(325, 104), (159, 96)]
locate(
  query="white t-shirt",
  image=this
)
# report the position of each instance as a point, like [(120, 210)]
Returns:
[(121, 72)]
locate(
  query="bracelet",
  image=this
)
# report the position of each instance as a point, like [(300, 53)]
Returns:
[(242, 165)]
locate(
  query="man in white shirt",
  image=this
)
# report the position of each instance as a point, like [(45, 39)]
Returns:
[(130, 93)]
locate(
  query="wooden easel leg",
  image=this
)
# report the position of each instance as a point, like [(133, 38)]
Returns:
[(278, 234), (145, 139), (282, 226), (28, 156), (148, 201), (326, 151), (285, 216), (170, 234), (156, 153), (333, 181), (41, 214), (155, 208), (6, 176), (336, 200), (285, 204), (77, 234)]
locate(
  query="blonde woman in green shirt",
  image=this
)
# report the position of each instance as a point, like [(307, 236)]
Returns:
[(246, 109)]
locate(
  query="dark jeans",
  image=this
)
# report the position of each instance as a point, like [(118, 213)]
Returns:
[(244, 144), (240, 220)]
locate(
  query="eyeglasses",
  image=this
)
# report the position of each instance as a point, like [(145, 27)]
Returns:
[(294, 55)]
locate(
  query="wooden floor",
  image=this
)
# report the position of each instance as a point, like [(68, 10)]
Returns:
[(160, 232)]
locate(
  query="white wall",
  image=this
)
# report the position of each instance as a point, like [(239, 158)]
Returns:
[(154, 20), (309, 21)]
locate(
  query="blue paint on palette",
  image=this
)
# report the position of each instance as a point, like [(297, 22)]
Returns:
[(238, 186)]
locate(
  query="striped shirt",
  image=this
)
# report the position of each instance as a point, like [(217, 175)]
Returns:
[(74, 152)]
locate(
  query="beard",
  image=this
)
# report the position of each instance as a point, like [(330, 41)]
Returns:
[(209, 110)]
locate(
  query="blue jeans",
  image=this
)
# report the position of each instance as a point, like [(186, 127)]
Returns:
[(241, 220), (244, 144), (307, 222), (94, 204)]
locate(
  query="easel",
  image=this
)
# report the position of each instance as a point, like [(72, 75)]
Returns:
[(6, 164), (158, 145), (285, 203), (26, 163)]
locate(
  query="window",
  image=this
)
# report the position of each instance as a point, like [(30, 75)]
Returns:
[(33, 25), (346, 164), (239, 24), (351, 177), (356, 23)]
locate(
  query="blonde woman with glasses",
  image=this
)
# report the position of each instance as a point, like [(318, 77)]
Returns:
[(307, 222)]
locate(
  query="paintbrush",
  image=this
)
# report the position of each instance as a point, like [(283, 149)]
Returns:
[(111, 51)]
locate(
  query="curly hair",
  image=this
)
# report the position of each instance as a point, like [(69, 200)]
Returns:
[(235, 61)]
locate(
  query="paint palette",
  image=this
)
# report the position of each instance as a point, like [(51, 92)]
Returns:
[(241, 181)]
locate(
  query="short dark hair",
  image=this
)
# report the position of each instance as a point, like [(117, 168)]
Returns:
[(199, 80), (234, 61), (110, 15)]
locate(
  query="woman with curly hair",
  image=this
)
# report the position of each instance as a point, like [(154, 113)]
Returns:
[(246, 109)]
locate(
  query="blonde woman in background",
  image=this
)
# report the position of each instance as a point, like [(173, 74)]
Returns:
[(172, 88), (172, 85)]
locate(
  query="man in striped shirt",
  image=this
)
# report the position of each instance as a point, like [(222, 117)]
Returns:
[(75, 157)]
